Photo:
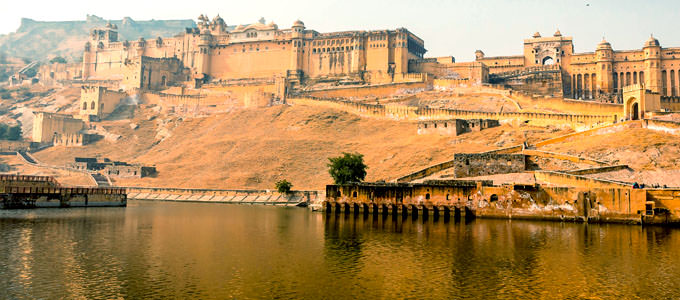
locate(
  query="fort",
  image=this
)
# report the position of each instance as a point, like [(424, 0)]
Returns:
[(548, 95)]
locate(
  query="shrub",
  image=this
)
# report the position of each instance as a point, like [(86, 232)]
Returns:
[(349, 167), (283, 186)]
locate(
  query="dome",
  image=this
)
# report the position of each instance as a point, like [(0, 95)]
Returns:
[(298, 23), (218, 20), (604, 45), (536, 35), (652, 42), (557, 33)]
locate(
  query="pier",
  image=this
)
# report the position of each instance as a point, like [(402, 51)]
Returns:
[(25, 191)]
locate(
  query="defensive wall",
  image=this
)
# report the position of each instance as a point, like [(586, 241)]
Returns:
[(527, 101), (263, 197), (596, 170), (561, 156), (373, 91), (561, 179), (410, 113)]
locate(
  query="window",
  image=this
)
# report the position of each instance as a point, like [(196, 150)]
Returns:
[(92, 105), (84, 105)]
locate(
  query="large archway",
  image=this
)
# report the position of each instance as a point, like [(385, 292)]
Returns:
[(635, 111), (548, 61)]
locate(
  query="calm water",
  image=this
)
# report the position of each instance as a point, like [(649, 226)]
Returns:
[(211, 251)]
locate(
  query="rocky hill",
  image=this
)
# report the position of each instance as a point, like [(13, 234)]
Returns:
[(38, 40)]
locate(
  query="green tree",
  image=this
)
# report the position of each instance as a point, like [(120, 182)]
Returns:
[(58, 59), (3, 131), (14, 133), (349, 167), (283, 186)]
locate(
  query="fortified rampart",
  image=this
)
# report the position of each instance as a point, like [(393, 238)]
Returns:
[(455, 127), (372, 91), (410, 113)]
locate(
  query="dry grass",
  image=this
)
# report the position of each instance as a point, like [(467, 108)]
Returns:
[(253, 148)]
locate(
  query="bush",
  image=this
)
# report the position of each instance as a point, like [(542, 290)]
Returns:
[(58, 59), (283, 186), (347, 168), (12, 133)]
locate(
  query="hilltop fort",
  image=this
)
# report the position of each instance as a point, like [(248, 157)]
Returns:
[(549, 133)]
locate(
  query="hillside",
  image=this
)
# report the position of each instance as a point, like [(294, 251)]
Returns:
[(39, 40), (253, 148)]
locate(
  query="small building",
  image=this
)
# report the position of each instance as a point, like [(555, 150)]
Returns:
[(97, 102), (113, 168), (48, 125), (455, 127)]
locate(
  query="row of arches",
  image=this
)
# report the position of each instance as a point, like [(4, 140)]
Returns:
[(584, 86), (403, 210), (669, 83)]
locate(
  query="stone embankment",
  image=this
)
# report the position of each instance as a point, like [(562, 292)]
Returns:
[(261, 197)]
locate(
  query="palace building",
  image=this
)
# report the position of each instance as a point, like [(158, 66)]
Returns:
[(215, 51), (592, 75)]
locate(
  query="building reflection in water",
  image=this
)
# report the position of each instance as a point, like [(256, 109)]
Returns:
[(189, 250)]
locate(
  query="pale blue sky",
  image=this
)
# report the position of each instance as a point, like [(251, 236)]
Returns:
[(455, 27)]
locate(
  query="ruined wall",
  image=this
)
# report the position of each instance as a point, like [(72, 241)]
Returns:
[(50, 74), (482, 164), (46, 125), (507, 201), (72, 139)]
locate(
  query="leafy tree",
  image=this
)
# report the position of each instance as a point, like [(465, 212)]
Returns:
[(14, 133), (58, 59), (349, 167), (283, 186), (3, 131)]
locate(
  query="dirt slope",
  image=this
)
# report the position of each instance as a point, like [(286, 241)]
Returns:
[(252, 148)]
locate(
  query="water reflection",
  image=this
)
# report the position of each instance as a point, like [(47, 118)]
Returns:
[(186, 250)]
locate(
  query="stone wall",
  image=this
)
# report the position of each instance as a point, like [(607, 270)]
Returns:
[(400, 112), (46, 125), (375, 91), (481, 199), (73, 139), (482, 164), (454, 127)]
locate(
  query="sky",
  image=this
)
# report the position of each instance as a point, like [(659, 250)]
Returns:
[(453, 27)]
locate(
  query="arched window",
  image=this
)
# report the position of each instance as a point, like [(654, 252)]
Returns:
[(92, 105), (84, 105)]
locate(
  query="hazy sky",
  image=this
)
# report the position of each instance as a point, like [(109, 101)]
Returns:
[(455, 27)]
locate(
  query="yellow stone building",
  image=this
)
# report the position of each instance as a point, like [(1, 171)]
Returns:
[(602, 73), (215, 51)]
